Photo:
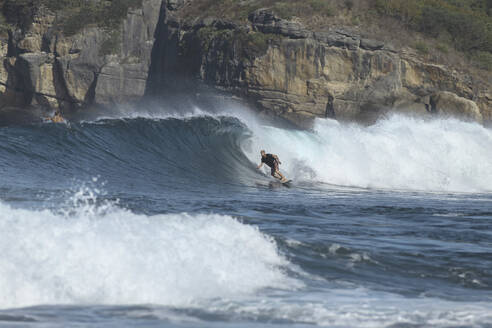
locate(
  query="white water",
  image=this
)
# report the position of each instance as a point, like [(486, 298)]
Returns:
[(396, 153), (362, 308), (103, 254), (107, 255)]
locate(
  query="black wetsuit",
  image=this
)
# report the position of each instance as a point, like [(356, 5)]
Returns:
[(271, 162)]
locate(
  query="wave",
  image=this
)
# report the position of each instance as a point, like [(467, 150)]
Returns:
[(399, 152), (361, 307), (149, 154), (104, 254), (191, 268)]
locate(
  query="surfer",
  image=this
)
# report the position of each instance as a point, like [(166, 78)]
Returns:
[(57, 118), (273, 162)]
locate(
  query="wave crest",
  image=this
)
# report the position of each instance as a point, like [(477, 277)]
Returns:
[(109, 255), (396, 153)]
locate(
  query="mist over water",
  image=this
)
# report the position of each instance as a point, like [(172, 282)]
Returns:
[(162, 219)]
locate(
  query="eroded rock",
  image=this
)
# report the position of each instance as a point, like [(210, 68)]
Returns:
[(55, 71), (449, 104), (266, 21)]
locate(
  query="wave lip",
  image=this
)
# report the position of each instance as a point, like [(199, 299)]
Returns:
[(109, 255)]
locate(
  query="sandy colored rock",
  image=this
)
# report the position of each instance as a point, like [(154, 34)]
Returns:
[(54, 70), (449, 104)]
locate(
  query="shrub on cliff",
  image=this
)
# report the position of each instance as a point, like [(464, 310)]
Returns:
[(72, 15), (245, 44), (18, 12), (254, 44), (77, 14), (465, 23), (482, 59), (289, 9), (239, 10)]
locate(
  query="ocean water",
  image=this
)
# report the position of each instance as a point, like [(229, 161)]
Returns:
[(164, 220)]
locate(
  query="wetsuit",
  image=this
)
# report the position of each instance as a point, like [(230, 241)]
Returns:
[(271, 162)]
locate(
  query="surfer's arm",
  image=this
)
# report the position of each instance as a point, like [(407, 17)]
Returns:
[(276, 158), (259, 166)]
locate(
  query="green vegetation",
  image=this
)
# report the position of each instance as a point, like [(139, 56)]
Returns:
[(239, 10), (17, 12), (463, 25), (77, 14), (349, 4), (72, 15), (482, 59), (255, 44), (422, 47), (289, 9), (467, 24), (442, 48), (208, 34), (248, 44), (445, 25)]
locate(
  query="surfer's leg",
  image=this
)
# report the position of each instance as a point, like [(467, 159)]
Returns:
[(277, 171), (280, 175), (274, 173)]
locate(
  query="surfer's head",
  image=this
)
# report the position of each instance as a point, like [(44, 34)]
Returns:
[(263, 153)]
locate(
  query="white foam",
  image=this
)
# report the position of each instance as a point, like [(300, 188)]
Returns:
[(397, 153), (124, 112), (334, 248), (107, 255), (361, 308)]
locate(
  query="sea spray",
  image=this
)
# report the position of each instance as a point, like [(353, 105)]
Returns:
[(109, 255), (398, 152)]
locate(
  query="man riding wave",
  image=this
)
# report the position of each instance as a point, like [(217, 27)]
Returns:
[(56, 118), (273, 162)]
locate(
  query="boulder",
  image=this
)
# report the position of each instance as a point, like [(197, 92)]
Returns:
[(449, 104), (266, 21), (336, 39), (369, 44)]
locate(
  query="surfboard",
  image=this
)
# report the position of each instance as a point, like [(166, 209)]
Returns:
[(286, 182)]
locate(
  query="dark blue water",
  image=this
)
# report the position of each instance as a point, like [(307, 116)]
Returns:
[(167, 222)]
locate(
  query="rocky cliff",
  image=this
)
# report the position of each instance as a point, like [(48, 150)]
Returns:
[(281, 67), (43, 68)]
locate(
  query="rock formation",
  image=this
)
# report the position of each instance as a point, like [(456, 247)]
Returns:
[(280, 66), (42, 67)]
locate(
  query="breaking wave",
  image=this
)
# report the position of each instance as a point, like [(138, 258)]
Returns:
[(108, 255), (396, 153)]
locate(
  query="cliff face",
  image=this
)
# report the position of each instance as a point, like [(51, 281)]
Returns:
[(295, 73), (43, 68), (281, 67)]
